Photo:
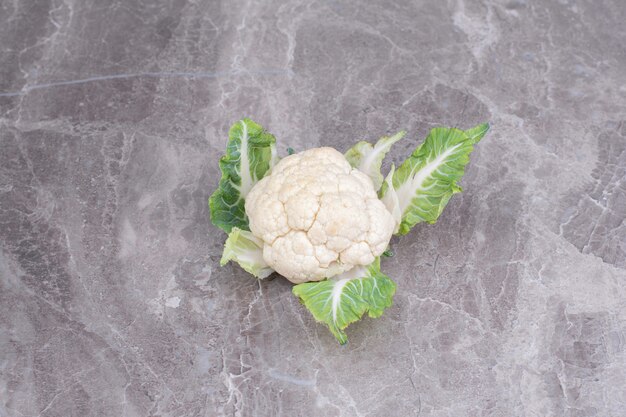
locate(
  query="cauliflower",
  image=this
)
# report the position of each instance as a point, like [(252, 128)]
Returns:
[(322, 220), (318, 216)]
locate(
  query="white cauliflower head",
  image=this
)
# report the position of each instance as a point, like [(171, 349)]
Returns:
[(317, 216)]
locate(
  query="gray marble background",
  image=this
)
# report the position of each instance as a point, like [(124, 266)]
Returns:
[(113, 115)]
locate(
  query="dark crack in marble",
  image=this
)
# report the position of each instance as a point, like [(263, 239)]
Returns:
[(113, 116)]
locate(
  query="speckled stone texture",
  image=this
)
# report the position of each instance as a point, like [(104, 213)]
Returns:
[(112, 118)]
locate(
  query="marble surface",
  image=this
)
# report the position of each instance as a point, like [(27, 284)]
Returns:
[(113, 116)]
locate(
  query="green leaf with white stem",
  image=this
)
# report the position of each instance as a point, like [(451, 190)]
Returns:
[(368, 159), (344, 299), (247, 250), (250, 154), (422, 186)]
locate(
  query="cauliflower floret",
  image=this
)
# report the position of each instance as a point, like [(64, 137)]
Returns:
[(318, 216)]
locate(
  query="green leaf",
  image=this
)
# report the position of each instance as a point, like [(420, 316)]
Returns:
[(422, 186), (344, 299), (250, 154), (368, 159), (478, 132), (247, 250)]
